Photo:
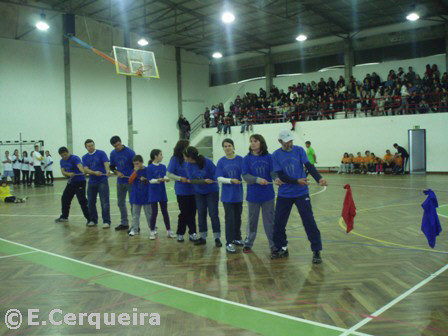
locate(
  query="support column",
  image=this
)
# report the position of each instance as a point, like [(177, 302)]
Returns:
[(446, 49), (269, 71), (179, 84), (68, 95), (348, 58), (129, 98)]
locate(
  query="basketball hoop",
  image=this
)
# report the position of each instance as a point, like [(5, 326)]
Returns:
[(133, 62), (142, 71)]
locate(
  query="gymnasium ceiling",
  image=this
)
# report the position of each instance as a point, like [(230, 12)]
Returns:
[(196, 25)]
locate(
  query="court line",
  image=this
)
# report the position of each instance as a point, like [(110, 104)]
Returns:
[(16, 255), (394, 302), (186, 291)]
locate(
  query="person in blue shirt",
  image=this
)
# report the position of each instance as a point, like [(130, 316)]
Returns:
[(72, 168), (257, 172), (156, 175), (139, 195), (184, 193), (121, 164), (228, 172), (201, 173), (288, 162), (96, 164)]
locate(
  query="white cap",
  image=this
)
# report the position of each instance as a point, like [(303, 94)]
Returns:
[(286, 136)]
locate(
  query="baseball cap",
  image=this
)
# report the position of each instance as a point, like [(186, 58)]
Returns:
[(286, 136)]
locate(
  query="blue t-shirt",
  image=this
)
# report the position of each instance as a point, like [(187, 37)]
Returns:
[(291, 163), (95, 162), (230, 168), (259, 166), (208, 172), (157, 191), (71, 166), (174, 167), (122, 161), (139, 190)]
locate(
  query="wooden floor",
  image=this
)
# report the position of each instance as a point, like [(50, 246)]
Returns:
[(376, 266)]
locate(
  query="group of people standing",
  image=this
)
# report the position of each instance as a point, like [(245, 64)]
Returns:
[(197, 183), (28, 169)]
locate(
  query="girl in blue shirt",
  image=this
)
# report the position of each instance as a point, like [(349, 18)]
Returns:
[(228, 172), (201, 173), (156, 175), (184, 192), (257, 171)]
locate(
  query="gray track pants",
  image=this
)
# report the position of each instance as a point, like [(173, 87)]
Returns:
[(267, 209)]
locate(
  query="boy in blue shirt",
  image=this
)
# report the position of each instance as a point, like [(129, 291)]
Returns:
[(121, 164), (71, 167), (96, 164), (288, 163)]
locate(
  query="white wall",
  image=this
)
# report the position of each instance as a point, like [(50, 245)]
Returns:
[(332, 138)]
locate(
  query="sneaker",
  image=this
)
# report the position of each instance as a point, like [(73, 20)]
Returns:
[(218, 242), (106, 226), (152, 235), (61, 220), (316, 257), (238, 243), (193, 237), (180, 238), (171, 234), (381, 173), (230, 248), (24, 199), (247, 249), (132, 233), (282, 253), (90, 224), (122, 227), (200, 241)]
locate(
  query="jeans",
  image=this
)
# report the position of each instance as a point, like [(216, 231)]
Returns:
[(232, 215), (72, 189), (49, 175), (92, 192), (122, 190), (187, 215), (267, 211), (210, 202), (136, 209), (282, 211)]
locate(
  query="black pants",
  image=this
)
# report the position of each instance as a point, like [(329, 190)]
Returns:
[(10, 199), (232, 217), (50, 178), (30, 181), (16, 176), (72, 189), (187, 215), (25, 177), (40, 179)]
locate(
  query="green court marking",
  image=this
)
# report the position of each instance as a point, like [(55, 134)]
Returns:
[(227, 312), (443, 210)]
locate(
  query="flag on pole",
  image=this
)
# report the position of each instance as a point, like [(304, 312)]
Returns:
[(349, 209), (430, 222)]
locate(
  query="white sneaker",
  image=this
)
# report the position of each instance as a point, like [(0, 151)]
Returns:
[(132, 233), (381, 173), (171, 234), (106, 226), (152, 235)]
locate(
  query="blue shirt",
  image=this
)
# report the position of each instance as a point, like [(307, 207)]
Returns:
[(176, 168), (95, 162), (71, 166), (259, 166), (230, 168), (157, 191), (208, 172), (139, 190), (291, 163), (122, 161)]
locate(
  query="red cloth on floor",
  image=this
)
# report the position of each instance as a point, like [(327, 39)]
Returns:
[(349, 209)]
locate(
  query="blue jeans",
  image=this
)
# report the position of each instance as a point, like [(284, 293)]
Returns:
[(210, 202), (122, 190), (282, 211), (92, 192)]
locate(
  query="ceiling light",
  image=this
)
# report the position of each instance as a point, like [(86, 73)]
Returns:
[(143, 42), (227, 17), (42, 24), (217, 55), (413, 16), (301, 38)]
